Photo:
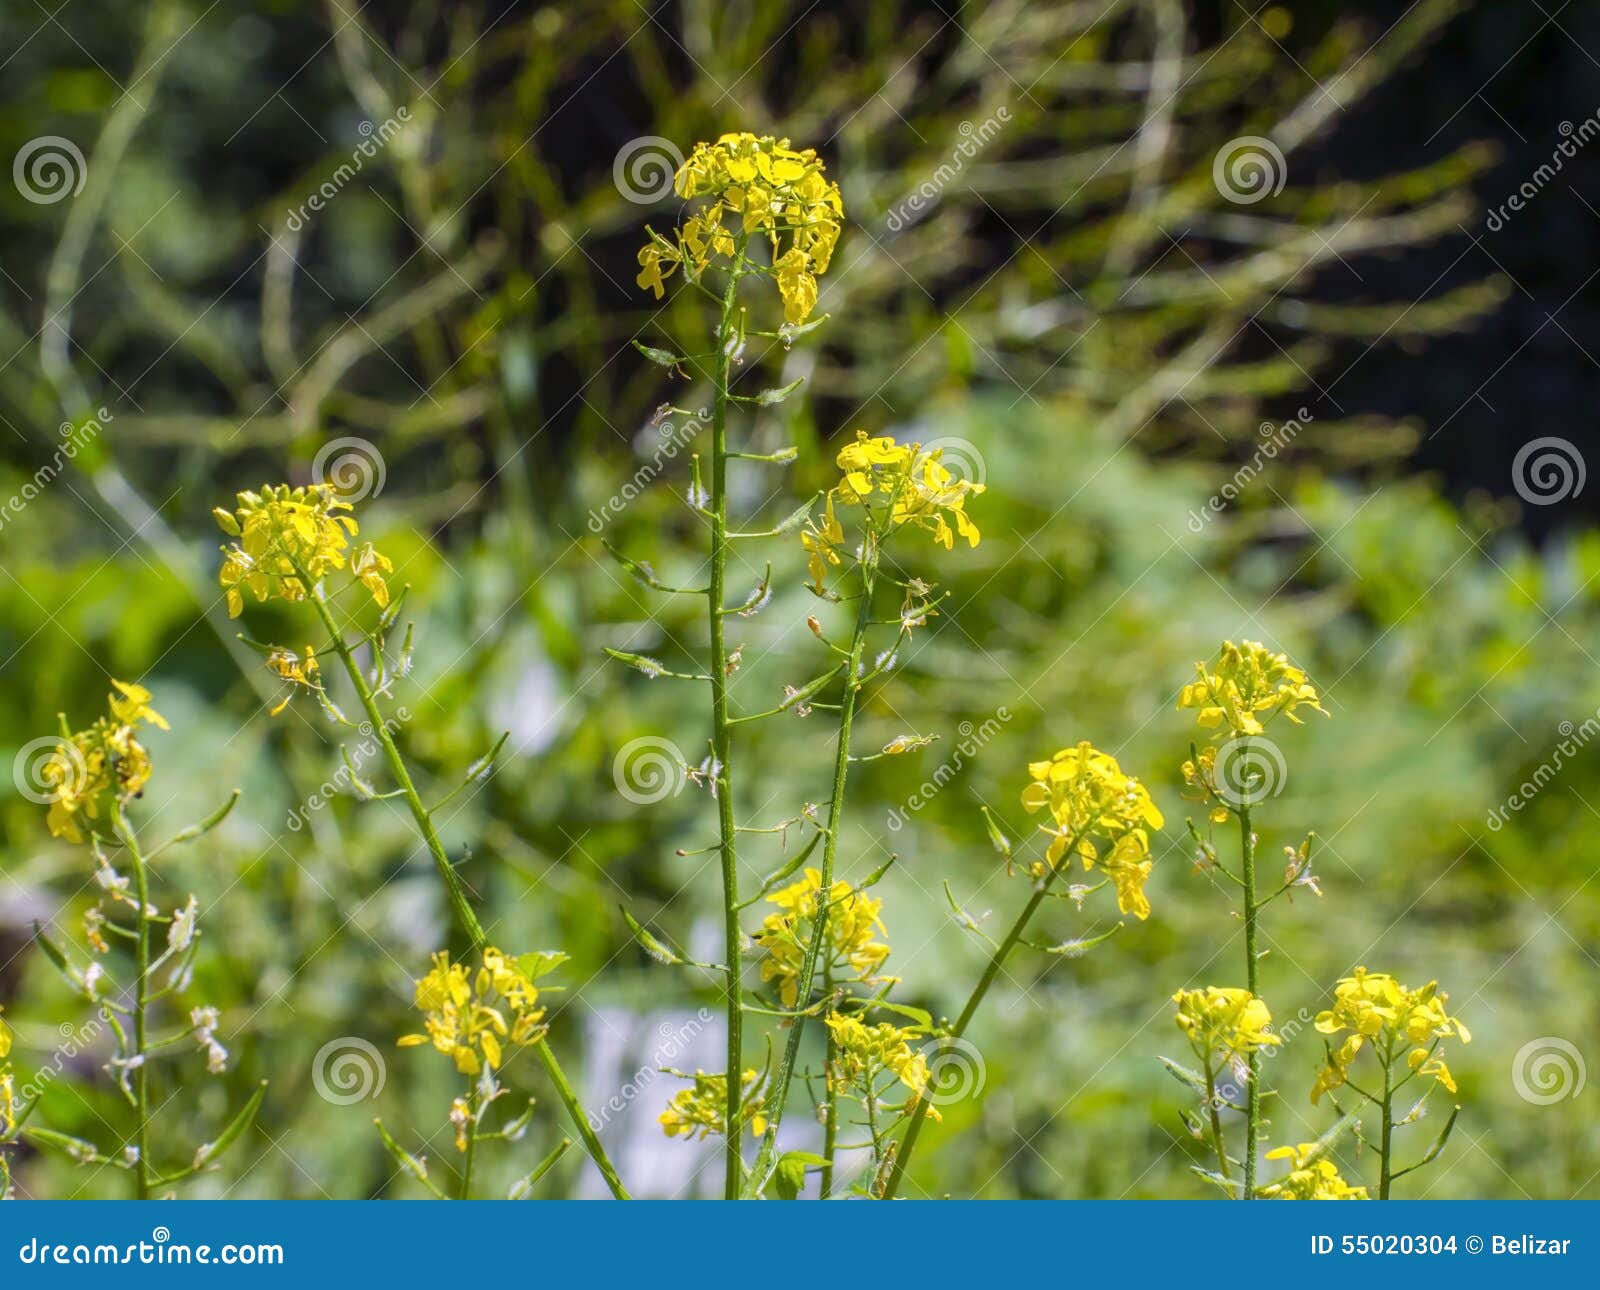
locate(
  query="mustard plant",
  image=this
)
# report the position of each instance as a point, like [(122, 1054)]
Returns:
[(1229, 1028), (287, 542), (1098, 815), (92, 778)]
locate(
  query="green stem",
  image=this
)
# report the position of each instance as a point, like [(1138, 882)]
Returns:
[(830, 848), (997, 960), (1252, 1131), (721, 737), (1216, 1127), (458, 897), (830, 1118), (465, 1191), (397, 767), (1386, 1133), (141, 1075)]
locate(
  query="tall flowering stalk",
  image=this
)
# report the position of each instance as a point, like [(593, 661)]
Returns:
[(750, 194), (91, 778), (1236, 697), (287, 542), (1229, 1028), (1098, 815)]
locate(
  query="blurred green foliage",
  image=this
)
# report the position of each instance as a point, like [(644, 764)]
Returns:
[(1103, 329)]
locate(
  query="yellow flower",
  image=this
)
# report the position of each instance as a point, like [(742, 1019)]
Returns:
[(701, 1109), (774, 192), (1246, 681), (288, 535), (90, 766), (1089, 798), (852, 924), (468, 1014), (296, 669), (1311, 1177), (861, 1051), (822, 539), (1374, 1008), (1224, 1021)]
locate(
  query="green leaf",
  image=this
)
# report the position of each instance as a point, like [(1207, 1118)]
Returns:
[(657, 949), (209, 1151), (789, 1177), (52, 951), (769, 397), (1184, 1075), (537, 963), (1002, 844), (921, 1016)]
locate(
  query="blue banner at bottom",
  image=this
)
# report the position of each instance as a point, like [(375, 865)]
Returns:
[(1470, 1242)]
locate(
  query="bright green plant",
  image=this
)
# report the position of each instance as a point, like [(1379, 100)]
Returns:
[(91, 778)]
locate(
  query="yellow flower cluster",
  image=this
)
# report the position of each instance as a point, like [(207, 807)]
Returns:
[(853, 922), (1089, 798), (297, 669), (1248, 686), (862, 1050), (105, 759), (1375, 1007), (762, 187), (8, 1085), (1311, 1177), (905, 484), (701, 1109), (1224, 1020), (468, 1014), (285, 536)]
